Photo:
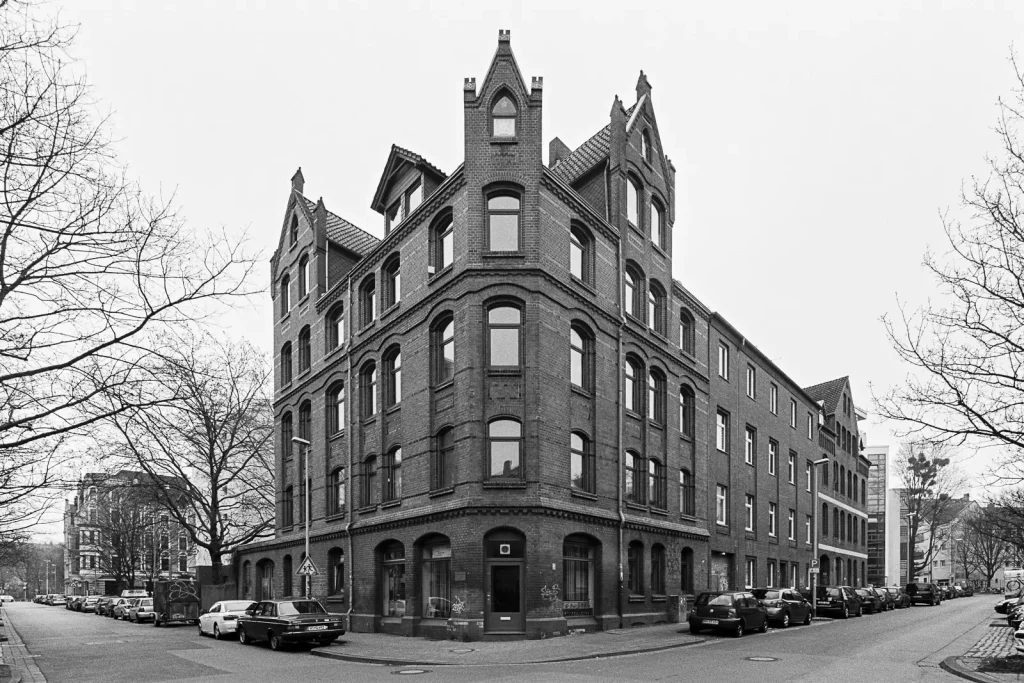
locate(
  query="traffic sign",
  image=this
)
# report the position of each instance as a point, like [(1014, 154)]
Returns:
[(814, 564), (815, 570), (307, 568)]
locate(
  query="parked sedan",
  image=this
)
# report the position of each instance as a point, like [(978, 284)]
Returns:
[(735, 612), (888, 601), (103, 604), (839, 601), (222, 617), (121, 607), (292, 621), (89, 604), (6, 598), (870, 600), (141, 610), (56, 599), (926, 593), (1018, 640), (899, 596), (784, 606)]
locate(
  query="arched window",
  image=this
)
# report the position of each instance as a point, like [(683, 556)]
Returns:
[(286, 589), (634, 395), (634, 478), (843, 525), (824, 475), (657, 483), (581, 462), (303, 276), (687, 402), (393, 372), (393, 580), (286, 364), (842, 481), (443, 355), (503, 324), (686, 571), (247, 579), (635, 568), (658, 231), (288, 506), (645, 145), (503, 117), (854, 530), (835, 476), (287, 432), (392, 281), (293, 230), (824, 519), (863, 532), (836, 529), (337, 493), (580, 254), (850, 489), (687, 332), (687, 493), (656, 312), (336, 571), (368, 300), (505, 446), (503, 221), (436, 586), (443, 460), (304, 350), (656, 396), (578, 573), (286, 304), (658, 569), (443, 237), (580, 357), (336, 408), (634, 297), (335, 322), (633, 202), (392, 471), (366, 493), (863, 492), (368, 390), (305, 410)]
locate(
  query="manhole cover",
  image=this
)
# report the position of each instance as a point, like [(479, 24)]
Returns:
[(410, 672), (762, 659), (462, 650)]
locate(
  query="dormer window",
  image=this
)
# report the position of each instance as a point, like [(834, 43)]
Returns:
[(404, 205), (503, 115)]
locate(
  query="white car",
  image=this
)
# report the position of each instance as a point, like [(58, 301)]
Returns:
[(6, 598), (1018, 640), (222, 617)]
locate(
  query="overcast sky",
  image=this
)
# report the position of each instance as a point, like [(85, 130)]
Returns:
[(815, 146)]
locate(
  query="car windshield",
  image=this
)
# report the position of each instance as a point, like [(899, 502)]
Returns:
[(835, 592), (711, 599), (287, 609), (765, 594), (236, 605), (863, 591), (147, 601)]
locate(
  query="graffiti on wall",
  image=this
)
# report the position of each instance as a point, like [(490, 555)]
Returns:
[(458, 606), (550, 595)]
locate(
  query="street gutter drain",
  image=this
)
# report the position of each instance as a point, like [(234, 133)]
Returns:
[(762, 659), (410, 672), (462, 650)]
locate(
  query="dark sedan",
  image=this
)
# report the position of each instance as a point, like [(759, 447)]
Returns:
[(899, 596), (735, 612), (870, 600), (289, 621), (840, 601), (784, 606)]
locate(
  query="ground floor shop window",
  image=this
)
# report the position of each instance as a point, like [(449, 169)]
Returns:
[(635, 564), (393, 581), (336, 566), (577, 578), (437, 580)]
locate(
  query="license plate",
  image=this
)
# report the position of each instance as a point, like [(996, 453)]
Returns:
[(178, 615), (711, 622), (317, 628)]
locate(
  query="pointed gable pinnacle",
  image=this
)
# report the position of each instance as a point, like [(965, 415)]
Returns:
[(298, 182), (643, 87), (618, 112)]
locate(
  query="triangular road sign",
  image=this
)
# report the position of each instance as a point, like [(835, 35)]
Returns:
[(307, 567)]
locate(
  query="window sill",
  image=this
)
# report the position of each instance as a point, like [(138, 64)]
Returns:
[(636, 320), (393, 409), (504, 254), (656, 424), (337, 516), (659, 249), (304, 299), (367, 509), (390, 504), (445, 385), (635, 416), (773, 539), (659, 511), (659, 598), (369, 420), (636, 506), (336, 436), (507, 372), (337, 349), (284, 318), (287, 527), (390, 309), (581, 391), (586, 495), (637, 598), (436, 493), (660, 335), (431, 279), (504, 140), (294, 245), (285, 385), (584, 284), (685, 437), (302, 372), (635, 228), (687, 518), (721, 528), (510, 484), (367, 327)]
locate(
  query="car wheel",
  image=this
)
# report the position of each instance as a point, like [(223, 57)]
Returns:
[(199, 628), (764, 625), (846, 612), (275, 642), (785, 620), (860, 612), (738, 631), (694, 629), (242, 638), (216, 631), (807, 618)]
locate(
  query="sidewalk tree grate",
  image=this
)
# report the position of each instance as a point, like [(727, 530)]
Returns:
[(410, 672), (761, 659)]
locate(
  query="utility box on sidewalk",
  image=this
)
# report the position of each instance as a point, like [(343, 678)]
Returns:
[(677, 609)]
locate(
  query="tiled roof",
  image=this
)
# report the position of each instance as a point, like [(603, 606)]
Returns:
[(341, 232), (944, 511), (584, 157), (829, 393), (416, 158)]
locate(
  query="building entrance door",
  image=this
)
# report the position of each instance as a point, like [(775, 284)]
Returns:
[(504, 597)]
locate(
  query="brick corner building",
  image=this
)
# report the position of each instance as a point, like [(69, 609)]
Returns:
[(507, 400)]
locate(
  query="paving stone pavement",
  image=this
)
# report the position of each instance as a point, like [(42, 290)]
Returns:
[(998, 642)]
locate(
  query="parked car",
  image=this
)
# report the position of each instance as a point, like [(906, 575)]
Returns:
[(103, 604), (55, 599), (840, 601), (222, 617), (89, 604), (6, 598), (965, 590), (735, 612), (73, 602), (888, 601), (141, 610), (870, 601), (1014, 613), (1018, 640), (306, 621), (784, 606), (899, 596), (1004, 605), (948, 592), (134, 593), (924, 593), (121, 607)]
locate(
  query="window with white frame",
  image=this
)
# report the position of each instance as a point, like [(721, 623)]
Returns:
[(750, 576), (792, 413), (810, 426), (792, 467), (773, 456), (773, 399), (723, 361), (773, 529), (807, 530), (751, 382), (721, 504), (749, 445), (771, 573), (809, 471), (748, 512), (721, 431), (792, 525)]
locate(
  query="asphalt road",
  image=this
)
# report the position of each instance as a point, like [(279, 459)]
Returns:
[(905, 645)]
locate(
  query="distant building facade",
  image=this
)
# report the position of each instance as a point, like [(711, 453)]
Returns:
[(879, 572)]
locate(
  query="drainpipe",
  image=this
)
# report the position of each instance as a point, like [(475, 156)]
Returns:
[(619, 390), (351, 471)]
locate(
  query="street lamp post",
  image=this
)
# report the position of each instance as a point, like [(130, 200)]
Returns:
[(306, 497), (814, 523)]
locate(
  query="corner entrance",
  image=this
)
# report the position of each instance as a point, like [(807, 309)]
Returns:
[(504, 564)]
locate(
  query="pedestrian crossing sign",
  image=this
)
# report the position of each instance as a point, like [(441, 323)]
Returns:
[(307, 568)]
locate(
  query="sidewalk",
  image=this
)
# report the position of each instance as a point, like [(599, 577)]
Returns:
[(993, 659), (16, 664)]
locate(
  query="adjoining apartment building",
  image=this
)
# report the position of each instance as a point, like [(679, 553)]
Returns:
[(516, 422), (113, 521)]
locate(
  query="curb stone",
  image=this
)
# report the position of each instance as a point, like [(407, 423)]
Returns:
[(952, 665)]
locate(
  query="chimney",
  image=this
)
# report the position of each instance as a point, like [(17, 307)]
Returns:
[(557, 150), (967, 496)]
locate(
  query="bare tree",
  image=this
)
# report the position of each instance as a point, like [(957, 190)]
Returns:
[(929, 483), (211, 441), (967, 351), (126, 523), (89, 264), (983, 547)]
